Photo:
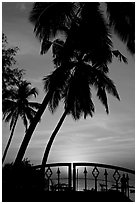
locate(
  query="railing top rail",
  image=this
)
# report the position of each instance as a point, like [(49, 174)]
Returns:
[(88, 164), (104, 166), (53, 165)]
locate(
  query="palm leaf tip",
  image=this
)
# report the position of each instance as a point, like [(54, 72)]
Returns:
[(115, 93), (33, 91), (121, 57), (110, 87), (45, 46)]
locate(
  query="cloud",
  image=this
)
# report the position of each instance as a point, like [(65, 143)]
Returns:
[(35, 80), (21, 6)]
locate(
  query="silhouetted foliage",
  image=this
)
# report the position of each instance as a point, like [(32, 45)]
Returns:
[(76, 80), (10, 74), (74, 88), (16, 105), (122, 20), (86, 23), (85, 37), (24, 180)]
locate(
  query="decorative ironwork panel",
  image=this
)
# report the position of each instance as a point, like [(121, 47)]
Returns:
[(116, 175), (95, 172), (48, 172)]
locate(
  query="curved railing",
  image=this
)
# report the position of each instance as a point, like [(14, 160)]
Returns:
[(89, 176), (121, 177)]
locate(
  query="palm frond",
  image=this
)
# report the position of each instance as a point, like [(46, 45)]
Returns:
[(100, 79), (122, 20), (8, 105), (49, 18), (103, 97), (110, 87), (97, 40), (78, 96), (30, 113), (121, 57), (32, 91), (54, 101), (13, 118), (8, 116), (56, 83), (24, 119), (58, 78), (34, 105), (46, 44)]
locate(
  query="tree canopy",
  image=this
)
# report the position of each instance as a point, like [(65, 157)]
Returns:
[(11, 74)]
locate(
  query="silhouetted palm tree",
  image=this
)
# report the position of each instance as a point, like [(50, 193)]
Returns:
[(84, 32), (16, 104), (46, 27), (77, 94)]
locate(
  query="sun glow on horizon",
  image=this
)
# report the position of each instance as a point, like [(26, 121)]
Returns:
[(72, 155)]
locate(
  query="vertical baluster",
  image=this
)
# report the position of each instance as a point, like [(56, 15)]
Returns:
[(69, 176), (48, 174), (106, 174), (58, 173), (74, 177), (95, 183), (85, 173), (77, 179), (95, 173), (127, 178)]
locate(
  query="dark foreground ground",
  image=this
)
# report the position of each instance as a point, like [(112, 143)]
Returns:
[(111, 196)]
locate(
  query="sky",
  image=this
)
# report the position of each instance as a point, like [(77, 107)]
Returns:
[(108, 139)]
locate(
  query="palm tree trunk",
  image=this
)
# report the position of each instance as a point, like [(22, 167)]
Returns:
[(9, 141), (46, 153), (31, 129)]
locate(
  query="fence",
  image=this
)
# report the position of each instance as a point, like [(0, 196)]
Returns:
[(88, 177)]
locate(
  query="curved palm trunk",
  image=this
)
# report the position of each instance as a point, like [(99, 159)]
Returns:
[(31, 129), (9, 141), (46, 153)]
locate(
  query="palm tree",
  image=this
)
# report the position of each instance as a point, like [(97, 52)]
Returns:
[(74, 21), (77, 95), (16, 105)]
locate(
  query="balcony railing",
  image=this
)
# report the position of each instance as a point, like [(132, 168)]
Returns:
[(89, 177)]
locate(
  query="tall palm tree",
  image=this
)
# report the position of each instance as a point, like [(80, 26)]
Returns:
[(77, 95), (74, 20), (16, 105)]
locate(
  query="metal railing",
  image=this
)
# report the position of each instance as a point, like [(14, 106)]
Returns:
[(50, 173), (94, 177), (119, 177)]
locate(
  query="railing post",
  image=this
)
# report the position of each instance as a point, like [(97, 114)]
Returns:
[(69, 176), (77, 179), (127, 178), (85, 173), (106, 174), (74, 177), (58, 173)]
